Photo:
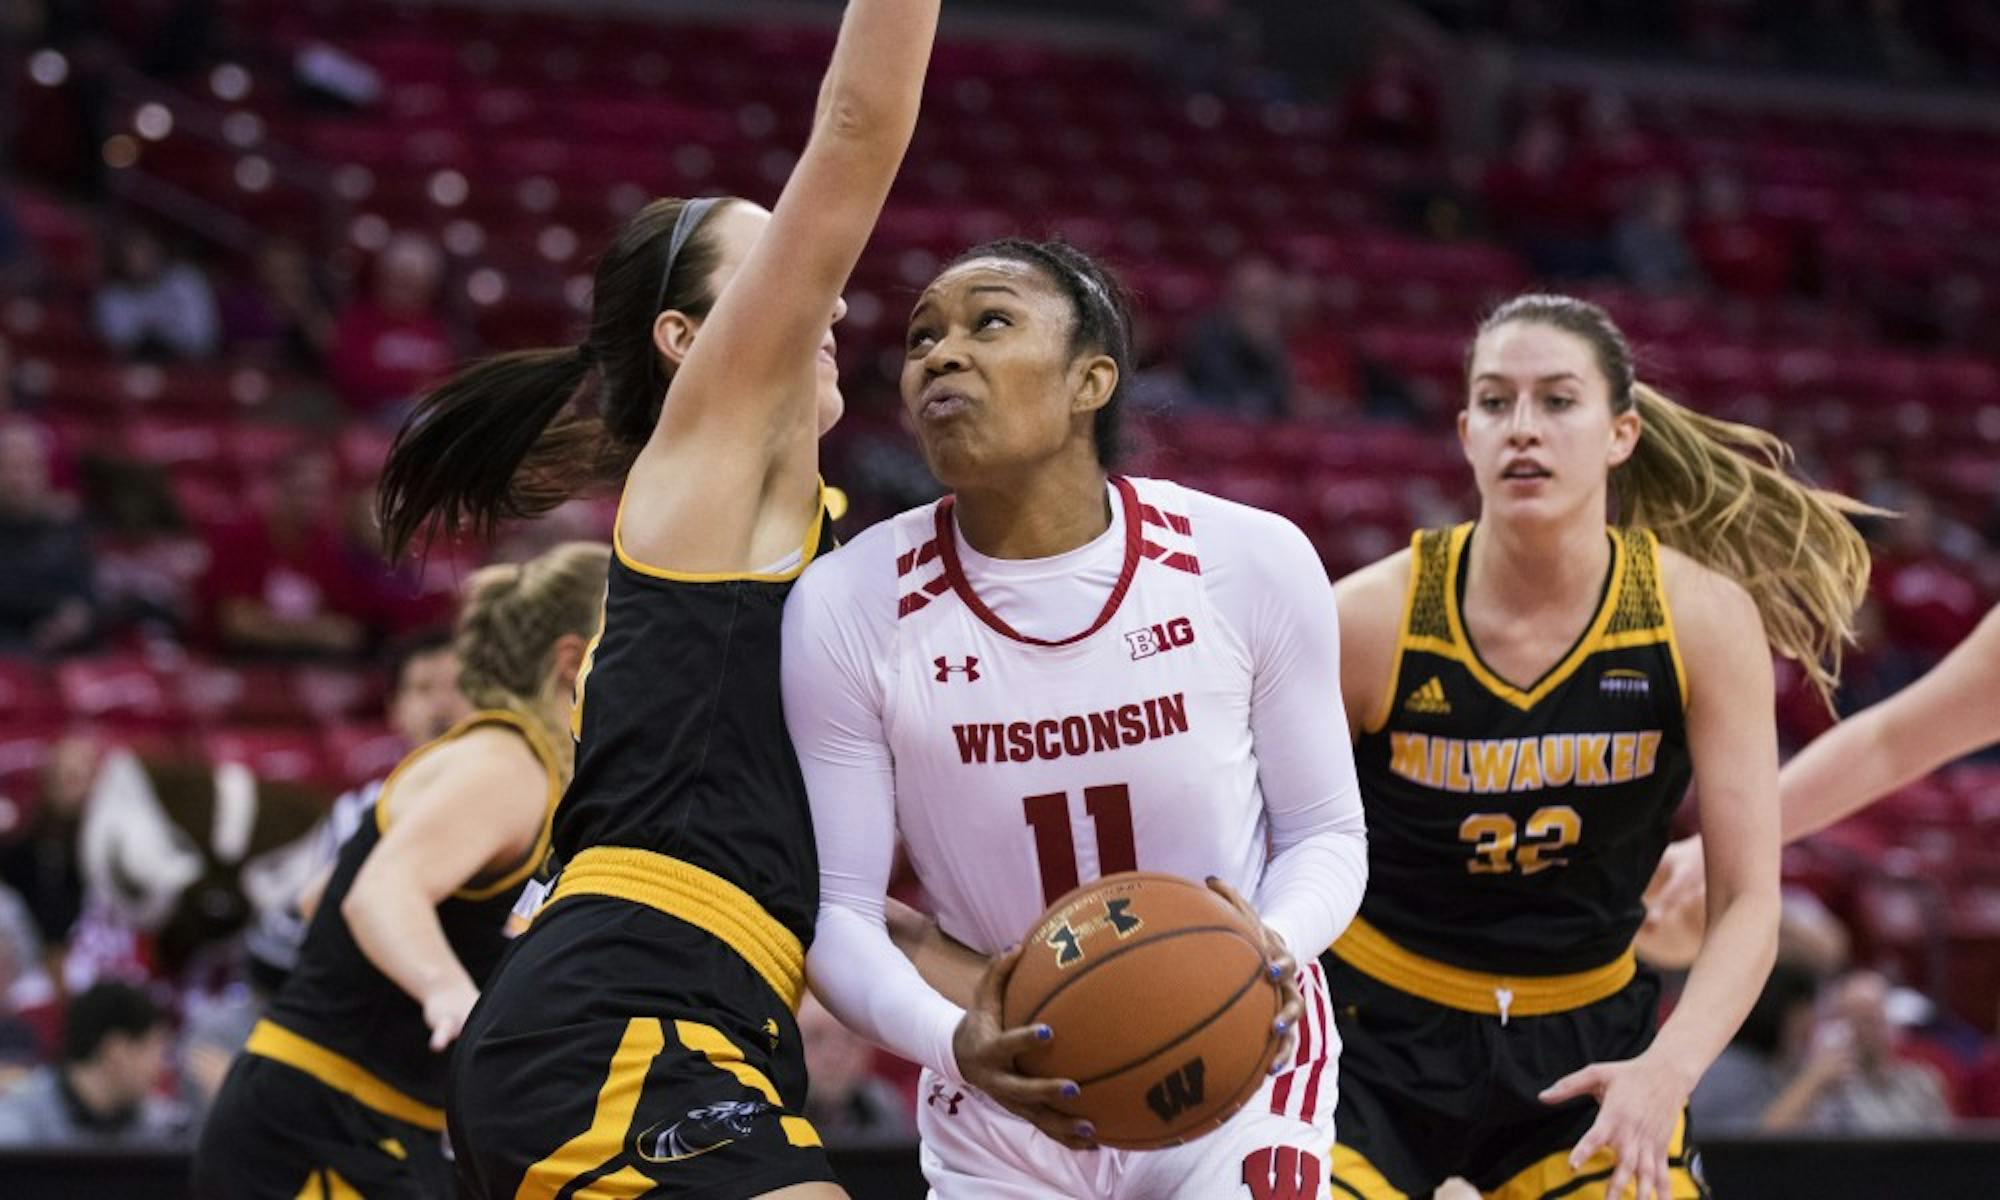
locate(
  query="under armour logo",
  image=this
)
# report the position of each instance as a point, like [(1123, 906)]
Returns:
[(937, 1099), (944, 669)]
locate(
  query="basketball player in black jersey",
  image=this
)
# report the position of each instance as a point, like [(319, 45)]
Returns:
[(1530, 695), (639, 1040), (340, 1091)]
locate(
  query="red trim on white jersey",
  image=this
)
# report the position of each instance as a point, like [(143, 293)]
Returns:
[(1296, 1091), (947, 541)]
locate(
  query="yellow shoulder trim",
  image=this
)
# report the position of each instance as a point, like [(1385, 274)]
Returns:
[(1380, 717), (807, 549), (1667, 612), (551, 767), (1588, 644)]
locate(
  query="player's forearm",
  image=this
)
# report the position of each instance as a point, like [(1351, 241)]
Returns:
[(947, 964), (1839, 773), (1312, 889), (863, 980), (397, 927), (876, 77), (1724, 982)]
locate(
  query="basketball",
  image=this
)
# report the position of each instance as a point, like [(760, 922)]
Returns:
[(1162, 1004)]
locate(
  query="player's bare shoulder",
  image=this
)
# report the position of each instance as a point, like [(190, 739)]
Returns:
[(1370, 602), (1703, 600)]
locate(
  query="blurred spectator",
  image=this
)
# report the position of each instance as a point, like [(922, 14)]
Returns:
[(1650, 242), (1393, 104), (280, 581), (1544, 202), (1883, 1093), (1741, 254), (17, 258), (389, 345), (1923, 577), (1237, 358), (280, 314), (153, 306), (40, 861), (1774, 1070), (115, 1043), (27, 993), (845, 1100), (46, 597)]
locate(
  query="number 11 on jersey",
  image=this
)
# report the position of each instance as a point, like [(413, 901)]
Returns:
[(1110, 809)]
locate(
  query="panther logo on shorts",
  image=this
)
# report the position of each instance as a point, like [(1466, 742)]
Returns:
[(710, 1127)]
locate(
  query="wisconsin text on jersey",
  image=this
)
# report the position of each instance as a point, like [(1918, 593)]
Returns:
[(1073, 735), (1524, 764)]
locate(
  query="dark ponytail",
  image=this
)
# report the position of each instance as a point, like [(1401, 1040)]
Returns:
[(514, 436), (495, 441)]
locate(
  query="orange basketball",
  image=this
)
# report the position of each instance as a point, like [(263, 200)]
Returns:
[(1162, 1005)]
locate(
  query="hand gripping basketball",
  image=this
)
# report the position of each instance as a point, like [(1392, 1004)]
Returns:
[(1284, 973), (986, 1055)]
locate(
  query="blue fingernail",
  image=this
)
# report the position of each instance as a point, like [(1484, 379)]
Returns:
[(1085, 1129), (1284, 1025), (1043, 1033), (1070, 1091), (1276, 972)]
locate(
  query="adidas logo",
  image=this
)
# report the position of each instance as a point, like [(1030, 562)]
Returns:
[(1429, 699)]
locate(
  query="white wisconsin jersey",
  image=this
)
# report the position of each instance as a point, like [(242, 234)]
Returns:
[(1025, 766)]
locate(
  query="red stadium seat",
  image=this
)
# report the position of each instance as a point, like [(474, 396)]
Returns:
[(281, 755)]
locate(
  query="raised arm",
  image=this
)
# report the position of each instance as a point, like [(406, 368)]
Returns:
[(731, 468)]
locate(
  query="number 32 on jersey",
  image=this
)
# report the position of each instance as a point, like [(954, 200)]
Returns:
[(1501, 845)]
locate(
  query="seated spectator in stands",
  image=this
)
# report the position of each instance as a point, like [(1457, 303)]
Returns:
[(389, 345), (39, 862), (280, 582), (1883, 1093), (28, 1001), (1237, 358), (1926, 577), (17, 257), (1544, 201), (1650, 241), (115, 1043), (1393, 104), (153, 306), (280, 314), (1738, 252), (845, 1100), (46, 590), (1774, 1071)]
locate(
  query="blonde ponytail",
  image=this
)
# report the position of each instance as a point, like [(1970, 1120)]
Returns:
[(1718, 492), (511, 619)]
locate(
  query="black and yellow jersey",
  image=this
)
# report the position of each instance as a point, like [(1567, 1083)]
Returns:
[(339, 1019), (1513, 830), (687, 796)]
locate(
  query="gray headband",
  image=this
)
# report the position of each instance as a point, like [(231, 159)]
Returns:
[(692, 212)]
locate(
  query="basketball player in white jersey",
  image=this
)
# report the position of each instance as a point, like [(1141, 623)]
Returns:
[(1050, 676)]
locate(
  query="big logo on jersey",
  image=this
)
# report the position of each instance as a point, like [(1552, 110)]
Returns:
[(1158, 639)]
